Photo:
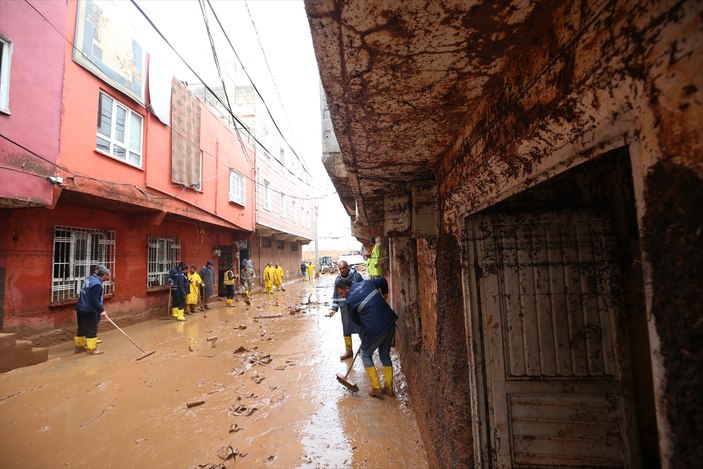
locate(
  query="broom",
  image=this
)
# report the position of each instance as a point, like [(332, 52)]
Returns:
[(343, 379), (144, 352)]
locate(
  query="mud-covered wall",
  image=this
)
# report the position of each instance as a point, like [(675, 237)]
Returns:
[(591, 78), (673, 239), (437, 370)]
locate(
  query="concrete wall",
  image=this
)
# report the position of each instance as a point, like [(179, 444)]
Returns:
[(35, 101), (289, 260)]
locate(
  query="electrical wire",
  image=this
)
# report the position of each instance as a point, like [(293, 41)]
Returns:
[(302, 163), (207, 87), (228, 169)]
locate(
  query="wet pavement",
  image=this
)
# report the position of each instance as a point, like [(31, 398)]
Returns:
[(266, 376)]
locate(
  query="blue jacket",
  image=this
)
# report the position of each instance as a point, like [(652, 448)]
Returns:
[(368, 308), (354, 277), (91, 297)]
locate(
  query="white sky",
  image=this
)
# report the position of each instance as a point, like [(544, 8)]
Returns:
[(285, 37)]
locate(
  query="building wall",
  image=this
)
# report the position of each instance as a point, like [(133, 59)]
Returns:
[(221, 150), (29, 262), (619, 75), (288, 259), (35, 101)]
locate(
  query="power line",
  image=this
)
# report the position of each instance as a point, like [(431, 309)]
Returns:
[(254, 85), (146, 194), (158, 31)]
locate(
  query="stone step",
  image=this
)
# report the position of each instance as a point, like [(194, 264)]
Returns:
[(7, 339), (18, 353)]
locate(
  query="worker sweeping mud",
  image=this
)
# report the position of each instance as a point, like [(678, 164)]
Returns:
[(89, 310), (368, 308)]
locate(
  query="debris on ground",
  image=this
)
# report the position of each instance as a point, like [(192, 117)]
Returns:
[(268, 316), (219, 465), (257, 378), (280, 367), (241, 349), (234, 428), (190, 404), (227, 452), (270, 459), (241, 327), (242, 410)]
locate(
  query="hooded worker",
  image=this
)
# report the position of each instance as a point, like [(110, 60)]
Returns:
[(367, 307), (229, 280), (194, 293), (268, 278), (89, 310), (207, 275), (278, 277), (339, 303), (179, 290), (373, 263)]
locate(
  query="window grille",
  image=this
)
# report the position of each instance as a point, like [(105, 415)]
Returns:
[(280, 244), (163, 255), (293, 247), (265, 242), (76, 252)]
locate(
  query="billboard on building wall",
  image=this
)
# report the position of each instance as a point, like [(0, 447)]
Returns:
[(105, 47)]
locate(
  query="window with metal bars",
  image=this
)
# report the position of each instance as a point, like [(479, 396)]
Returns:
[(280, 244), (164, 253), (76, 252), (265, 242)]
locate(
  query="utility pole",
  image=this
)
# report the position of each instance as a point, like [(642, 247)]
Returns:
[(317, 248)]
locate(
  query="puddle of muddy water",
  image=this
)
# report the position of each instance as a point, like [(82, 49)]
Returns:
[(288, 408)]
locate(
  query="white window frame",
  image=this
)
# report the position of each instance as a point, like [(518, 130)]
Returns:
[(111, 140), (237, 188), (283, 205), (5, 67), (294, 212), (267, 195), (162, 254), (76, 251)]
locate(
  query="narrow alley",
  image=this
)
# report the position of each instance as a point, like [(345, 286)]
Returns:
[(266, 376)]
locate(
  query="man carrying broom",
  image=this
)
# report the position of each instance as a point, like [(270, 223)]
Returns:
[(368, 308)]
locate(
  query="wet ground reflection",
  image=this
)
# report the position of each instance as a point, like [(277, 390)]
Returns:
[(266, 376)]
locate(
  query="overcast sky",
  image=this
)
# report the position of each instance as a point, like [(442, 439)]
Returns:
[(281, 29)]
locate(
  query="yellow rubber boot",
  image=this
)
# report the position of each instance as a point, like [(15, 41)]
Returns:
[(388, 381), (348, 347), (375, 384), (229, 302), (91, 346), (79, 342), (180, 315), (174, 312)]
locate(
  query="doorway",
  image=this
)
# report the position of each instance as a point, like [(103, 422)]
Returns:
[(563, 375), (224, 262)]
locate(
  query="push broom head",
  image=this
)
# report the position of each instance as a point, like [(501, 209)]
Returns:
[(349, 385)]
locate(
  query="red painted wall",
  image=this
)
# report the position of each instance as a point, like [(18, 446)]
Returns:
[(35, 98), (221, 150), (29, 262)]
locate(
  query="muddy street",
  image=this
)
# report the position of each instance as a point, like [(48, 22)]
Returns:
[(265, 374)]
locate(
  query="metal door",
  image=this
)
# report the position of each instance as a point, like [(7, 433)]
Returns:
[(555, 353)]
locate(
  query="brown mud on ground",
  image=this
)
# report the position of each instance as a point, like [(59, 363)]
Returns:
[(266, 376)]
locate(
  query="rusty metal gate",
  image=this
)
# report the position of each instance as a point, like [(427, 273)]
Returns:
[(548, 334)]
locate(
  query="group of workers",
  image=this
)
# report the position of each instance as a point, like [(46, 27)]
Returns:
[(362, 304), (307, 270)]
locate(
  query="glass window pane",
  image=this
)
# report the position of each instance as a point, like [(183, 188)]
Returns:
[(105, 115), (103, 145), (134, 159), (120, 152), (135, 132), (120, 122)]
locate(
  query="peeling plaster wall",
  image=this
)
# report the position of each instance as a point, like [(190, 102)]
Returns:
[(614, 74), (501, 98)]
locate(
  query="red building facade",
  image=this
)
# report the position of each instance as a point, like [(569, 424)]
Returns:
[(138, 186)]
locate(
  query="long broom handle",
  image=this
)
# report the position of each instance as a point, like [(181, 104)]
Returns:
[(125, 334), (352, 363)]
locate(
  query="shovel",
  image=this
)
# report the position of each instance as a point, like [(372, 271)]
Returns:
[(144, 352), (343, 379)]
